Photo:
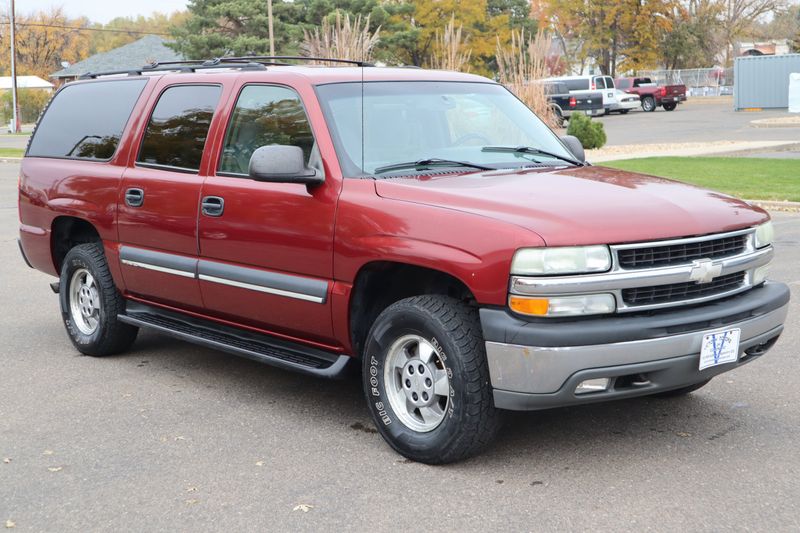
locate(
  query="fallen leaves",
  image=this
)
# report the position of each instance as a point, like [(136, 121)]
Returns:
[(10, 524), (191, 502), (7, 460), (47, 452), (305, 507), (191, 489), (55, 468), (259, 463), (683, 434)]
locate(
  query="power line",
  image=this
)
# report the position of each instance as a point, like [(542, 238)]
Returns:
[(64, 27)]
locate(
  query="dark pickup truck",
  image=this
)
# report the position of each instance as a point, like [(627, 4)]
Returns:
[(653, 96), (564, 102)]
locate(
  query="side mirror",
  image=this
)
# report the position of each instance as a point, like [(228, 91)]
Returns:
[(279, 163), (575, 147)]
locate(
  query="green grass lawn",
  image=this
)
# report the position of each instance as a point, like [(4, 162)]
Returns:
[(749, 178), (11, 152)]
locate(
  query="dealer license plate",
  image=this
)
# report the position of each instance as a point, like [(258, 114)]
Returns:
[(719, 348)]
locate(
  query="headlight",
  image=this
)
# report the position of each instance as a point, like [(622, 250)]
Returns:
[(561, 260), (765, 234), (584, 304)]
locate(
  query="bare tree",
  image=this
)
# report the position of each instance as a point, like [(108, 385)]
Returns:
[(739, 16)]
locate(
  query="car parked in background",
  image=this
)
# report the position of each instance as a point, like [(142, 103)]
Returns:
[(625, 102), (653, 96), (584, 84), (565, 103)]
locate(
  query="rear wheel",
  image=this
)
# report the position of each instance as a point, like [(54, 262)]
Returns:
[(670, 107), (427, 381), (683, 391), (90, 303), (648, 104)]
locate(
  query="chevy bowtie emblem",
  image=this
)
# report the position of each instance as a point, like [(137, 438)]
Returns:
[(704, 270)]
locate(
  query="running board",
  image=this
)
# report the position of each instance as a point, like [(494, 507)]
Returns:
[(261, 348)]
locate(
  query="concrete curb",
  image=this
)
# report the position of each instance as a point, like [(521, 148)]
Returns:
[(775, 123), (10, 159), (773, 205)]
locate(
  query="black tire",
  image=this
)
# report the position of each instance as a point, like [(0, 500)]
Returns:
[(670, 107), (559, 116), (649, 104), (683, 391), (110, 336), (469, 419), (624, 111)]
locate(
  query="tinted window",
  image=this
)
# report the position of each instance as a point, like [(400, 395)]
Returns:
[(609, 82), (176, 133), (624, 84), (264, 115), (85, 120), (600, 83), (638, 82), (577, 85)]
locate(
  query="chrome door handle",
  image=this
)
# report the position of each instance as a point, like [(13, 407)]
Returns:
[(134, 197), (212, 206)]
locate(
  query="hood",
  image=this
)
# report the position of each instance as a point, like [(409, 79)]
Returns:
[(581, 205)]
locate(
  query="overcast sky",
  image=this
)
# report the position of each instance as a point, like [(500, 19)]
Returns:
[(101, 10)]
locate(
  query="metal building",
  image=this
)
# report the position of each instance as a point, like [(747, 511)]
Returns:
[(763, 81)]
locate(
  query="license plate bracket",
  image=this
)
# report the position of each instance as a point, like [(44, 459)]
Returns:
[(719, 348)]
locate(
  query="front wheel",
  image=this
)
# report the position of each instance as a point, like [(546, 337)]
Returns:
[(426, 380), (670, 107), (90, 303)]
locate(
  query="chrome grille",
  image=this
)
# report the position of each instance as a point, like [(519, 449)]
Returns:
[(679, 292), (673, 254)]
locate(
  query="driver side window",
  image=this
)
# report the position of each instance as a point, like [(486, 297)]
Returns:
[(266, 115)]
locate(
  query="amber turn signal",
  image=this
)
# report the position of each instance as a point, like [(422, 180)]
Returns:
[(529, 306)]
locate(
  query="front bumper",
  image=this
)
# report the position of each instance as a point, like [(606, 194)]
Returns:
[(538, 364)]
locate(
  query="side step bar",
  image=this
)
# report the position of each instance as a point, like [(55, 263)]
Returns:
[(262, 348)]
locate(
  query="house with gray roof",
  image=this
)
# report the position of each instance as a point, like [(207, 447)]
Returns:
[(132, 55)]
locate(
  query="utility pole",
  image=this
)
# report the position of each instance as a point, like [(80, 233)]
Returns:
[(269, 18), (15, 111)]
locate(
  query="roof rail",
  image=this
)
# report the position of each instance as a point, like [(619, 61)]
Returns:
[(298, 58), (180, 66), (241, 62)]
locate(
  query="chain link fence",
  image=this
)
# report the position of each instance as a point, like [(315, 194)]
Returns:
[(716, 81)]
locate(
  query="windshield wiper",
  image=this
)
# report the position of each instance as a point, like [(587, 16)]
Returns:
[(532, 151), (422, 164)]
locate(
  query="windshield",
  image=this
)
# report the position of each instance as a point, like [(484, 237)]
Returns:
[(401, 122)]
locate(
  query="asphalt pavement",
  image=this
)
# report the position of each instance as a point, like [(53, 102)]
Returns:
[(697, 120), (174, 437)]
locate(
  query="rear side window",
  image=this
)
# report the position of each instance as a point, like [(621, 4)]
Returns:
[(85, 120), (577, 85), (600, 83), (609, 82), (177, 131)]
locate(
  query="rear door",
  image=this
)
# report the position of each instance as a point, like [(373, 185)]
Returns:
[(160, 197), (266, 249)]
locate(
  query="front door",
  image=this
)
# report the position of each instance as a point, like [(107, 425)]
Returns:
[(160, 197), (266, 249)]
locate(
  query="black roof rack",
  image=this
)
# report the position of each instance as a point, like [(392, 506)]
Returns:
[(298, 58), (241, 62)]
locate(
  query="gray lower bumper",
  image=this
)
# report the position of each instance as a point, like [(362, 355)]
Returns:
[(540, 377)]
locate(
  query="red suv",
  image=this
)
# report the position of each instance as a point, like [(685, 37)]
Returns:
[(424, 225)]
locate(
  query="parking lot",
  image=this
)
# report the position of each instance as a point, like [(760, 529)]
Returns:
[(697, 120), (171, 436)]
